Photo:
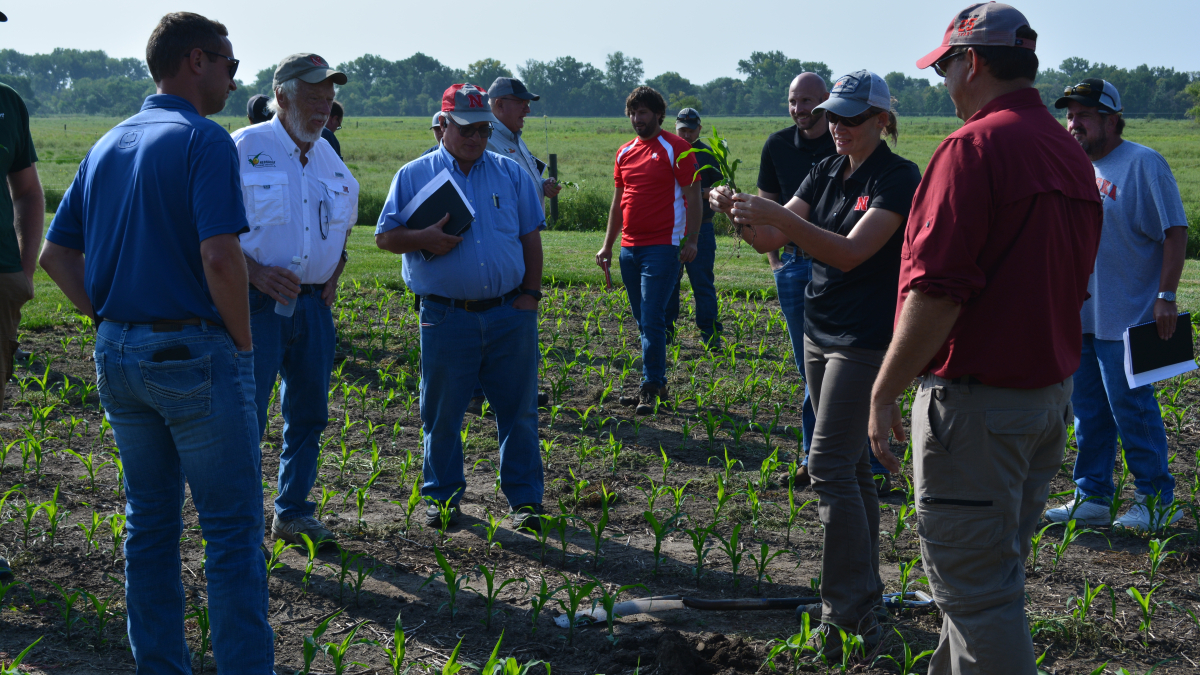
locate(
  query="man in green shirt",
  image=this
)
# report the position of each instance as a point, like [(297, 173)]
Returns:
[(22, 214)]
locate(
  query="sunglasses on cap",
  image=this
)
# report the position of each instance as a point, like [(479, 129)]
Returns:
[(469, 131), (937, 65), (855, 121), (233, 63), (1083, 89)]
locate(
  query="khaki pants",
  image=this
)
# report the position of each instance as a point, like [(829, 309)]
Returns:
[(839, 382), (983, 458), (15, 291)]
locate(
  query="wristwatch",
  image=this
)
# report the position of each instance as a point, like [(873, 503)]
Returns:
[(536, 294), (345, 255), (1167, 295)]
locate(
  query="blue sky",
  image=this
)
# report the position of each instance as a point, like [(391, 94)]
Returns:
[(880, 36)]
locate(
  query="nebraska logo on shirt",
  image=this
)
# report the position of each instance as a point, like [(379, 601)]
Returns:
[(861, 203), (1107, 188)]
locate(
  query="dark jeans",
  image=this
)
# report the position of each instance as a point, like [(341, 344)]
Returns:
[(700, 273), (649, 273), (790, 281)]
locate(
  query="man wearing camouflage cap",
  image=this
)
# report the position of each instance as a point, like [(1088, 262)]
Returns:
[(301, 202)]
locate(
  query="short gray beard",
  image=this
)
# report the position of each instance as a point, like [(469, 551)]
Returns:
[(297, 130)]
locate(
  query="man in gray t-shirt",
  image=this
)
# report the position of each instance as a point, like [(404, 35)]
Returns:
[(1137, 273)]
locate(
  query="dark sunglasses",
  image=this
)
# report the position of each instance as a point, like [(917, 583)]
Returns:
[(233, 63), (1082, 89), (937, 65), (469, 131), (855, 121)]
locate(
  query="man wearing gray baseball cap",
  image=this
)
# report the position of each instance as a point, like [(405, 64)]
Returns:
[(301, 202), (999, 245)]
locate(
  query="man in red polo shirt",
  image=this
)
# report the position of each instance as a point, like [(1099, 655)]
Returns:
[(999, 245), (656, 209)]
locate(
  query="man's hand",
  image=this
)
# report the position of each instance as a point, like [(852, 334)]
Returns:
[(329, 293), (773, 259), (885, 416), (604, 257), (1165, 315), (551, 188), (278, 282), (687, 253), (526, 302), (437, 241), (720, 199)]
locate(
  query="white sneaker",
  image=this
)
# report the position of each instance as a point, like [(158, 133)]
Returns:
[(1139, 517), (1090, 513)]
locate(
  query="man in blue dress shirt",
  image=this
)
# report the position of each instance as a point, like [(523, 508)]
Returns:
[(479, 298), (156, 208)]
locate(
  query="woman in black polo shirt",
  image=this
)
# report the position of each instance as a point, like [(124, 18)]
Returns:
[(848, 214)]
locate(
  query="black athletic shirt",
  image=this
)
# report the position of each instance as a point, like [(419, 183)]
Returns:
[(332, 138), (787, 157), (856, 308), (709, 174)]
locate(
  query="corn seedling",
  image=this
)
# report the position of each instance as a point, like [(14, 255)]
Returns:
[(491, 591), (361, 574), (323, 503), (55, 514), (490, 527), (608, 600), (795, 646), (66, 607), (793, 509), (537, 602), (310, 642), (1083, 603), (310, 547), (908, 664), (1070, 534), (596, 530), (336, 651), (699, 537), (509, 665), (760, 565), (576, 595), (346, 560), (660, 530), (1158, 555), (560, 523), (200, 614), (104, 615), (89, 465), (1036, 545), (454, 583), (733, 551), (399, 649), (14, 667), (273, 562), (906, 579), (1148, 607)]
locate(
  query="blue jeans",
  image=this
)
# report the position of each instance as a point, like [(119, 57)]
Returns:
[(1105, 408), (649, 274), (497, 348), (790, 281), (299, 347), (700, 273), (188, 419)]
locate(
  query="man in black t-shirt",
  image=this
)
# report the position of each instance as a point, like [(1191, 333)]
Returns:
[(336, 114), (700, 270), (787, 157)]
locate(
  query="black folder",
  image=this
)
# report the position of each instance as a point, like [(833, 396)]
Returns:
[(1149, 358), (435, 205)]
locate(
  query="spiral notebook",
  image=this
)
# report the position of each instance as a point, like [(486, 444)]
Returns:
[(1149, 358)]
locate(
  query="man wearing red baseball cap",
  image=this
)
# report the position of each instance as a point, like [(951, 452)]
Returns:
[(479, 299), (999, 244)]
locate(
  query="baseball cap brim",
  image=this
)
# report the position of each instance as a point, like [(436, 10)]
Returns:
[(680, 124), (528, 96), (319, 75), (843, 107), (3, 17), (472, 117), (1089, 102), (934, 56)]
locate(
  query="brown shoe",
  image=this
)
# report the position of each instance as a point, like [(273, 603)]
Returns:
[(802, 477), (652, 395), (475, 407)]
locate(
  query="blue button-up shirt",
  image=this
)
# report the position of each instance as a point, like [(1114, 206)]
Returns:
[(145, 196), (489, 261)]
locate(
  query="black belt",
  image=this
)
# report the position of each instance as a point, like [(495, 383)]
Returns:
[(305, 289), (796, 250), (473, 305)]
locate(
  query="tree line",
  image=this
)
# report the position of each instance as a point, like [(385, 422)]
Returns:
[(71, 81)]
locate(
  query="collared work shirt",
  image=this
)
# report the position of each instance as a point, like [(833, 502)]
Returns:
[(507, 144), (1006, 222), (145, 196), (490, 260), (294, 209)]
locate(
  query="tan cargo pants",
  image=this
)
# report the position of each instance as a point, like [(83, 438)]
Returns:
[(15, 291), (983, 458)]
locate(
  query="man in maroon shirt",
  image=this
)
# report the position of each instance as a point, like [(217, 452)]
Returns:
[(999, 245)]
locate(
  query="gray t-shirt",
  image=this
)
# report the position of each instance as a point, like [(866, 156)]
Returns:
[(1141, 200)]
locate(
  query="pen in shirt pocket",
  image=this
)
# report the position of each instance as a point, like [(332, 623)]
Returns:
[(496, 199)]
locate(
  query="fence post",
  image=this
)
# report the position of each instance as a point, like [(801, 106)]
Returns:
[(554, 199)]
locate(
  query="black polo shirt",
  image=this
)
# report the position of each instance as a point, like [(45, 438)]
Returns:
[(787, 157), (709, 174), (333, 141), (856, 308)]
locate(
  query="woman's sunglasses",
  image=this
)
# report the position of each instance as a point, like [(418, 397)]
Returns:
[(849, 121)]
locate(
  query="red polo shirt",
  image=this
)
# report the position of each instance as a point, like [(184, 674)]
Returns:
[(653, 210), (1006, 222)]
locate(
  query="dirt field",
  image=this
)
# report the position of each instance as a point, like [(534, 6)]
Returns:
[(743, 401)]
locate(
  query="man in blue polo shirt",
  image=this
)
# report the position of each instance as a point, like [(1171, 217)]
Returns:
[(479, 298), (156, 209)]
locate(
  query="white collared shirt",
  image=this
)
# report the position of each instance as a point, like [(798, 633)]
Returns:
[(507, 144), (290, 205)]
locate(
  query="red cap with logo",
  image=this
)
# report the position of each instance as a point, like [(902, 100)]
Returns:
[(982, 24), (467, 104)]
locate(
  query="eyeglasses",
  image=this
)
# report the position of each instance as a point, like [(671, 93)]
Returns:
[(323, 215), (515, 99), (855, 121), (469, 130), (233, 63), (937, 65)]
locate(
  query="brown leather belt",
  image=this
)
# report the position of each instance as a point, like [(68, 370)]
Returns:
[(796, 251)]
